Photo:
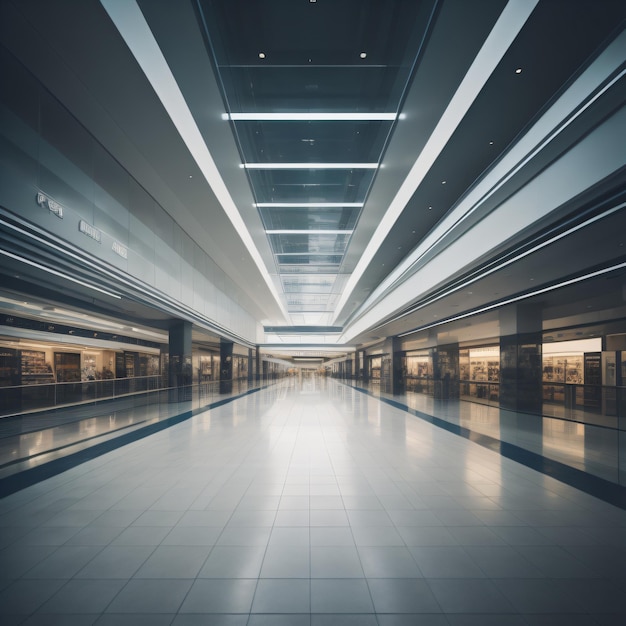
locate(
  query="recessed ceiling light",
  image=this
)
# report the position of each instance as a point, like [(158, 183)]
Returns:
[(363, 55), (518, 70), (443, 182), (310, 117), (491, 143), (261, 55)]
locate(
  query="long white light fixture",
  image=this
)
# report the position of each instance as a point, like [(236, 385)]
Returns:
[(310, 166), (525, 296), (309, 232), (39, 266), (504, 32), (308, 205), (310, 117), (130, 22)]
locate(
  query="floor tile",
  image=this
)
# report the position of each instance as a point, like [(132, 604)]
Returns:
[(335, 562), (220, 596), (540, 596), (64, 562), (83, 596), (233, 562), (331, 536), (469, 596), (291, 563), (116, 562), (173, 562), (282, 596), (388, 562), (402, 595), (445, 562), (340, 596)]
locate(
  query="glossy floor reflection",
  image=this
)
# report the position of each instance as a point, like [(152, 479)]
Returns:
[(309, 504)]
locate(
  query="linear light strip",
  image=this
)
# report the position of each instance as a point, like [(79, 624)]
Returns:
[(310, 166), (309, 232), (309, 254), (310, 117), (132, 26), (506, 29), (499, 266), (59, 274), (525, 296), (308, 205)]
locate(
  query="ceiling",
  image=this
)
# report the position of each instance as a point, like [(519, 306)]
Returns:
[(341, 146)]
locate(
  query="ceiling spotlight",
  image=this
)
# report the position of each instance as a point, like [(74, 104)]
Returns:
[(261, 55), (518, 70), (363, 55)]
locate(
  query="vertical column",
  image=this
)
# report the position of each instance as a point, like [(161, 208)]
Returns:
[(520, 359), (179, 368), (226, 366), (364, 369), (258, 365), (446, 371), (392, 379), (251, 366)]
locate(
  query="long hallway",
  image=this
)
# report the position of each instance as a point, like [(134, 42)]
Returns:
[(309, 503)]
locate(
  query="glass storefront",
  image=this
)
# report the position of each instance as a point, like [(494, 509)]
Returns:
[(479, 373)]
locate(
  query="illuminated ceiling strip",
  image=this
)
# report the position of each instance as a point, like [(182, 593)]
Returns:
[(309, 254), (39, 266), (310, 117), (130, 22), (525, 296), (309, 232), (310, 166), (506, 29), (308, 205)]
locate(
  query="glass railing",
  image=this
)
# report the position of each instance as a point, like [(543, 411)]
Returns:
[(586, 404), (141, 390)]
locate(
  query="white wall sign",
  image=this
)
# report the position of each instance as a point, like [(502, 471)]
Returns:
[(51, 205), (89, 230), (118, 248)]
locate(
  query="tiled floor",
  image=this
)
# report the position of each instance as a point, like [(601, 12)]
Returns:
[(309, 504)]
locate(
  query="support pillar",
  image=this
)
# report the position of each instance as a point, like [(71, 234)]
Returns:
[(251, 365), (365, 376), (179, 364), (446, 372), (521, 386), (392, 380), (226, 366)]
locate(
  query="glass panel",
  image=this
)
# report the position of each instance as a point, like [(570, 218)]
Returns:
[(302, 218), (310, 185), (309, 284), (319, 142), (318, 260), (312, 244)]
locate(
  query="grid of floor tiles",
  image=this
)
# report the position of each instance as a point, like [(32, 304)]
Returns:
[(309, 504)]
